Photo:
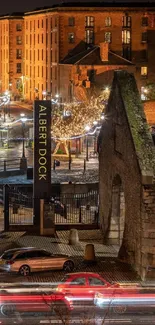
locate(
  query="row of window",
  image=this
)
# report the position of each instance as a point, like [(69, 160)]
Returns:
[(90, 20), (89, 37), (42, 23), (40, 38)]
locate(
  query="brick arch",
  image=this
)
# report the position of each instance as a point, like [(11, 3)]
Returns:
[(115, 231)]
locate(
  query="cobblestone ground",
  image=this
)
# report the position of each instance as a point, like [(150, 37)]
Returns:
[(106, 256)]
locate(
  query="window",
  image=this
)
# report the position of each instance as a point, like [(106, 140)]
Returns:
[(18, 27), (127, 53), (38, 54), (18, 83), (19, 68), (71, 21), (89, 21), (78, 281), (71, 38), (108, 21), (144, 21), (8, 255), (42, 23), (126, 37), (18, 40), (26, 39), (126, 21), (144, 37), (38, 38), (18, 54), (26, 24), (42, 54), (143, 71), (38, 23), (107, 37), (21, 256), (96, 282), (42, 37), (89, 36)]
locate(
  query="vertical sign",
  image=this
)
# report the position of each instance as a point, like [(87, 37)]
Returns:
[(42, 154)]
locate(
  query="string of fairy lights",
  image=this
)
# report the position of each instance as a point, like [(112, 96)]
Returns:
[(77, 120)]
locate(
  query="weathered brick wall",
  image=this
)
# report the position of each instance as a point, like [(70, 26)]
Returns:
[(149, 108), (118, 156)]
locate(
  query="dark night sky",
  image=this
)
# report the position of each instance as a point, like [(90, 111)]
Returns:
[(9, 6)]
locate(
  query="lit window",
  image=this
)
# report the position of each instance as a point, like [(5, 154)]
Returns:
[(126, 37), (89, 21), (107, 37), (18, 40), (126, 21), (71, 21), (143, 71), (71, 37), (108, 21), (144, 37), (89, 36), (144, 92), (18, 54)]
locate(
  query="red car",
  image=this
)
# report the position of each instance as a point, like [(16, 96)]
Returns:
[(33, 303), (82, 286)]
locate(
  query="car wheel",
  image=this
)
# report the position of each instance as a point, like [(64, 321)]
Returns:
[(120, 309), (7, 310), (24, 270), (68, 266)]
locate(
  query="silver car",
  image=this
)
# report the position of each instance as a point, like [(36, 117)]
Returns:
[(27, 260)]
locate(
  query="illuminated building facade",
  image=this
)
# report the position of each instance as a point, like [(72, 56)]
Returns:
[(51, 35), (11, 53)]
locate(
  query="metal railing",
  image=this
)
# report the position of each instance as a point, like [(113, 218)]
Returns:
[(9, 164)]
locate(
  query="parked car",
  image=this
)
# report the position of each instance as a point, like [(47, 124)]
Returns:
[(82, 286), (28, 259)]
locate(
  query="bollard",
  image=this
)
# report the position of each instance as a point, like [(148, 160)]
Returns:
[(73, 237), (89, 257)]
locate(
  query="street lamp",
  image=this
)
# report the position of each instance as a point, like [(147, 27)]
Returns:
[(23, 161), (44, 94), (87, 128)]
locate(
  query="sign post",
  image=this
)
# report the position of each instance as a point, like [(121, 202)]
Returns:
[(42, 155)]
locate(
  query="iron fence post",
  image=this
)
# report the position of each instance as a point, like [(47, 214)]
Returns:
[(80, 215), (4, 165), (6, 207)]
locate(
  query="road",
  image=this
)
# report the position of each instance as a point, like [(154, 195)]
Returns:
[(80, 319)]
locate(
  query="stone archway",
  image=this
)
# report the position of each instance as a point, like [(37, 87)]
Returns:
[(117, 218)]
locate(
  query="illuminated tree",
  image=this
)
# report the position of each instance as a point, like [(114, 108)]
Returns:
[(74, 118)]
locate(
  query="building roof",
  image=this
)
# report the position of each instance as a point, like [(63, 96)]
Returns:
[(82, 56), (88, 5), (14, 15)]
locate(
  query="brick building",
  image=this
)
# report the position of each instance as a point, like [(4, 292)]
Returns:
[(51, 34), (126, 153), (11, 52)]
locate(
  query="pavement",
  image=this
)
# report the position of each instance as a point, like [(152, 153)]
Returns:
[(106, 256)]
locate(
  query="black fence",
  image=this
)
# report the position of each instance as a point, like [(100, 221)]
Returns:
[(9, 164), (77, 209)]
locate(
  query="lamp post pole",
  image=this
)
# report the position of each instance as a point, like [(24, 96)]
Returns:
[(87, 144), (23, 132), (23, 161)]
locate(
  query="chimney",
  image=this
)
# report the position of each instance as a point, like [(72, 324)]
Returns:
[(104, 48)]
